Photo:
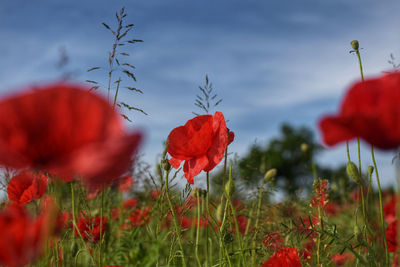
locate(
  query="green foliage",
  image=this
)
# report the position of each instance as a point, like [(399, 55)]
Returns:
[(292, 154)]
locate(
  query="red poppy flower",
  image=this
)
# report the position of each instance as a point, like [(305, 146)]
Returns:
[(130, 203), (90, 228), (65, 130), (140, 217), (26, 186), (341, 259), (391, 236), (24, 237), (389, 210), (201, 143), (273, 241), (369, 111), (124, 184), (288, 257)]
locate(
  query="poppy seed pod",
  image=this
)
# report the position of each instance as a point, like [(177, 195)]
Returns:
[(354, 44)]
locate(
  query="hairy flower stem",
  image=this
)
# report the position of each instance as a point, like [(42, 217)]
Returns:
[(196, 251), (260, 195), (376, 172), (228, 199), (348, 151), (177, 230), (74, 221), (101, 226), (380, 207)]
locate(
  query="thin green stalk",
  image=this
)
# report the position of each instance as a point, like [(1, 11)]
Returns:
[(347, 150), (228, 199), (74, 220), (376, 169), (177, 230), (260, 194), (196, 251), (380, 207), (207, 213), (116, 92), (101, 226)]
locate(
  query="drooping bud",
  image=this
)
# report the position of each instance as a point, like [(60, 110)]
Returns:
[(352, 172), (354, 44), (271, 173)]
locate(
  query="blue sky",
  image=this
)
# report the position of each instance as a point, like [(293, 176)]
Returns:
[(270, 61)]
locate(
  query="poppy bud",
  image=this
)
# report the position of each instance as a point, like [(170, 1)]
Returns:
[(220, 212), (354, 44), (370, 170), (352, 172), (166, 165), (271, 173), (229, 188), (304, 147)]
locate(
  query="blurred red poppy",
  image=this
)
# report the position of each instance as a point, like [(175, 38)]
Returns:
[(274, 241), (391, 236), (65, 130), (26, 186), (201, 143), (90, 228), (370, 110), (389, 210), (288, 257), (140, 217), (341, 259), (130, 203), (23, 237), (124, 184)]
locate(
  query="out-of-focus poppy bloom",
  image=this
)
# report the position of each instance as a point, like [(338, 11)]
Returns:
[(273, 241), (155, 194), (26, 186), (389, 210), (201, 143), (124, 184), (341, 259), (66, 130), (90, 228), (332, 208), (140, 217), (130, 203), (369, 111), (391, 236), (288, 257), (23, 237)]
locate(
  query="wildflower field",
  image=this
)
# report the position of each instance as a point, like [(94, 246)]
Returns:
[(77, 192)]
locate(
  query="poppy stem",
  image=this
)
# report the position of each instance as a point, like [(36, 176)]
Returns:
[(101, 226), (348, 151), (356, 49), (196, 251), (380, 206), (177, 230), (228, 198), (74, 221)]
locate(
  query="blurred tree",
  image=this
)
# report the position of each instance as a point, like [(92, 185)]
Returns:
[(292, 154)]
